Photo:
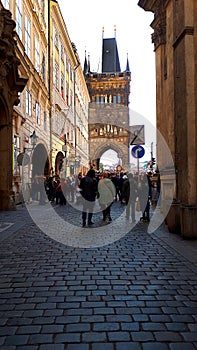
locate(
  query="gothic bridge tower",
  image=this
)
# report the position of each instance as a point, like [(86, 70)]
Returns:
[(108, 109)]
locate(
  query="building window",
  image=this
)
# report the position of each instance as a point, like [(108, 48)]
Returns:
[(56, 76), (101, 99), (37, 54), (38, 113), (56, 38), (114, 99), (62, 52), (62, 84), (6, 4), (28, 100), (19, 18), (16, 150), (43, 67), (45, 121), (27, 37), (67, 99), (119, 99)]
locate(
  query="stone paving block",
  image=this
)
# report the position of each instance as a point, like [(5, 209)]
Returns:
[(109, 326), (182, 346), (139, 336), (91, 337), (177, 327), (153, 326), (140, 317), (29, 347), (67, 319), (28, 329), (76, 347), (67, 338), (155, 346), (43, 320), (119, 336), (167, 336), (102, 346), (189, 336), (182, 318), (7, 330), (33, 313), (118, 318), (128, 346), (160, 318), (51, 347), (40, 339), (132, 326), (16, 340), (2, 340), (53, 312), (103, 311), (77, 327), (52, 328), (78, 311)]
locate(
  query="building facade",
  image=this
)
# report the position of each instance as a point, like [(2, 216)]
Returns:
[(10, 87), (175, 43), (51, 119)]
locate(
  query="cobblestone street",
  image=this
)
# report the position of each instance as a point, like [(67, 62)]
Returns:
[(138, 293)]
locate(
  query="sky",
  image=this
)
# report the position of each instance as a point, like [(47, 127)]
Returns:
[(85, 20)]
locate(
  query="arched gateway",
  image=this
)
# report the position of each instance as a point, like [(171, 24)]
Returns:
[(108, 109)]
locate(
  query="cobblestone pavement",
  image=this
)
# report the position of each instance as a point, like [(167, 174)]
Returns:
[(138, 293)]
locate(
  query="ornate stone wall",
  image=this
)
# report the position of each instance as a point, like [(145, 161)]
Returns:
[(10, 85)]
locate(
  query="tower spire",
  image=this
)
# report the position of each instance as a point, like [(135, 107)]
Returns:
[(85, 68), (127, 64)]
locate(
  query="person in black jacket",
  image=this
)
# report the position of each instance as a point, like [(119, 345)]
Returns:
[(88, 186), (129, 194)]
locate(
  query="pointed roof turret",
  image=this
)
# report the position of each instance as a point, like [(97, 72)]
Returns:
[(88, 67), (85, 67), (110, 57), (127, 65)]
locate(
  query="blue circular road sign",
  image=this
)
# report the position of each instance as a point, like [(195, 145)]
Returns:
[(138, 151)]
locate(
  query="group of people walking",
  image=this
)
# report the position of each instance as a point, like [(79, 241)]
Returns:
[(106, 187)]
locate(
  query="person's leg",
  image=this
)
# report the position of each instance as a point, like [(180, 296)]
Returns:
[(90, 212), (84, 213), (108, 211), (133, 211), (128, 211), (104, 212)]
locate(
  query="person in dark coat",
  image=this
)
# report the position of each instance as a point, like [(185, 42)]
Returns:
[(143, 193), (129, 194), (88, 186)]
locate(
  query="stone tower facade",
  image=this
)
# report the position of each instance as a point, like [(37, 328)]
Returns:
[(108, 110)]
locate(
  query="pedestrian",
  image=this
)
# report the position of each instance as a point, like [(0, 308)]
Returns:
[(50, 190), (143, 193), (129, 194), (119, 185), (88, 186), (60, 198), (107, 194)]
